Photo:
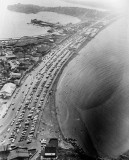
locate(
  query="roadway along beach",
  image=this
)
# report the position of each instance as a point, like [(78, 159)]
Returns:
[(93, 90), (32, 115)]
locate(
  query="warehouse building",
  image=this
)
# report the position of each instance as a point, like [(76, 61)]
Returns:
[(51, 148), (7, 90)]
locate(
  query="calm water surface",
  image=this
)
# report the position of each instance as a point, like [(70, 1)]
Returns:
[(96, 85), (15, 24)]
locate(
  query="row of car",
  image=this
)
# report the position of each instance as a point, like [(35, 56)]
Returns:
[(44, 78), (18, 119), (43, 87), (30, 136), (53, 61), (30, 115)]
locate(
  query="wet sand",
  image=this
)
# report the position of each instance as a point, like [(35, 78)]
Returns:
[(93, 93)]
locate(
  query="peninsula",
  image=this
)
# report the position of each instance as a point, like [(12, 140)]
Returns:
[(82, 13)]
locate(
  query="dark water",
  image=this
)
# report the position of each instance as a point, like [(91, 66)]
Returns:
[(96, 84)]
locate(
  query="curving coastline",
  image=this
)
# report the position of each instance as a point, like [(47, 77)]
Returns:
[(94, 85)]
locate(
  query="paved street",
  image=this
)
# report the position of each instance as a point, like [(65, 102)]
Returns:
[(27, 105)]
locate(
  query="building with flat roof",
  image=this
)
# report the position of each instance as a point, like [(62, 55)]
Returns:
[(7, 90), (15, 75), (10, 56), (51, 148), (50, 152), (53, 142)]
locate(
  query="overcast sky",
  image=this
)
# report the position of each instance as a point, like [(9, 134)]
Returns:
[(106, 4), (113, 4)]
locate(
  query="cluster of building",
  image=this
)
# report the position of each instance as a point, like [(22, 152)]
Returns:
[(18, 56), (50, 150), (2, 79), (11, 70), (15, 152), (18, 59), (13, 67), (91, 32)]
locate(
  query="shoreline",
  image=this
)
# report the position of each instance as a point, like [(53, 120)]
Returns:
[(56, 10), (66, 66), (70, 58), (55, 85)]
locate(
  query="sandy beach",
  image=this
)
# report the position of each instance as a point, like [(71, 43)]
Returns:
[(92, 93)]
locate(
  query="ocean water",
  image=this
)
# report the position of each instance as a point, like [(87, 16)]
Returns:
[(95, 85), (14, 24)]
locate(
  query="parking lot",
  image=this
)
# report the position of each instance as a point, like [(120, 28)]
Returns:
[(23, 115)]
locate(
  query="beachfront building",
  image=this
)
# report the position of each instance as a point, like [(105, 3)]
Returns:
[(51, 148), (50, 152)]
